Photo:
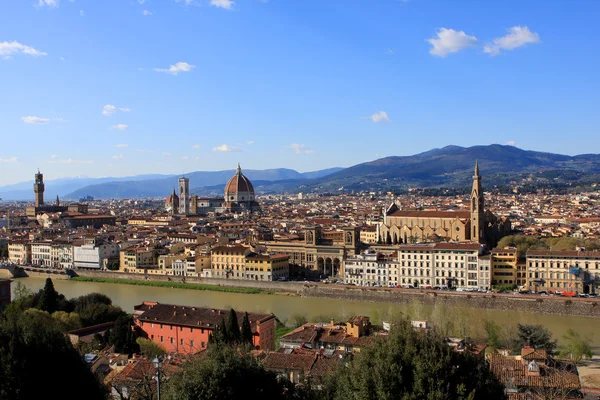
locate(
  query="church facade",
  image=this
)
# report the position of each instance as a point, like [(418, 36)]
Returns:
[(473, 225)]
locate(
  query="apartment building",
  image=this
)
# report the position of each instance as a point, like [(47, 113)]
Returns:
[(577, 271), (504, 266), (19, 252), (239, 262), (41, 253), (96, 253)]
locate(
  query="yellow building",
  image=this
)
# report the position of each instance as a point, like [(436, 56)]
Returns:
[(19, 252), (577, 271), (136, 260), (504, 266), (239, 262)]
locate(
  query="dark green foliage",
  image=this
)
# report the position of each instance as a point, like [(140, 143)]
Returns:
[(492, 331), (225, 372), (246, 330), (412, 365), (37, 361), (536, 336), (122, 336), (388, 239), (233, 328), (48, 300), (96, 308), (150, 349)]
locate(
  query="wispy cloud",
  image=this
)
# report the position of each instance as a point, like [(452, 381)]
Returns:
[(517, 36), (511, 143), (176, 68), (53, 156), (119, 157), (389, 52), (81, 13), (379, 117), (142, 1), (69, 161), (300, 148), (146, 13), (196, 146), (8, 49), (35, 120), (120, 127), (167, 154), (226, 4), (250, 142), (121, 145), (450, 41), (185, 158), (9, 160), (226, 148), (110, 109), (48, 3)]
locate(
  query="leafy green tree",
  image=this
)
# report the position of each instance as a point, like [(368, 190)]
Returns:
[(67, 321), (536, 336), (36, 358), (246, 330), (298, 320), (412, 365), (388, 239), (492, 332), (149, 348), (233, 328), (223, 373), (49, 297), (122, 336), (575, 347)]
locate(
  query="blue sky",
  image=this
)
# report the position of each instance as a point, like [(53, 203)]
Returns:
[(118, 87)]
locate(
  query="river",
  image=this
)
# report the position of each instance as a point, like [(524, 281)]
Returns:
[(314, 309)]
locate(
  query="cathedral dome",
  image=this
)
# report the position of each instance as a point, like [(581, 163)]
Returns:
[(239, 188), (172, 201)]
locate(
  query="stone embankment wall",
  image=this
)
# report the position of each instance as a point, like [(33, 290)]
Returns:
[(533, 304), (294, 287)]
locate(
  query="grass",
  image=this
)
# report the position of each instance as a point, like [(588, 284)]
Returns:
[(176, 285)]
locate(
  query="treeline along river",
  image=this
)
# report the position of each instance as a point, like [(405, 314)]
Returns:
[(288, 307)]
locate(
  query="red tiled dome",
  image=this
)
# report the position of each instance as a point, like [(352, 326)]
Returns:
[(239, 183)]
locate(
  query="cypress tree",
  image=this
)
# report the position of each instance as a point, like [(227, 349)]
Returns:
[(246, 330), (233, 328), (223, 334), (49, 298)]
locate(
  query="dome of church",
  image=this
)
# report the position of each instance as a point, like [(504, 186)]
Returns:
[(239, 188), (172, 201)]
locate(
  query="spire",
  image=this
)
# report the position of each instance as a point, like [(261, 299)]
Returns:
[(57, 201), (239, 169), (476, 167)]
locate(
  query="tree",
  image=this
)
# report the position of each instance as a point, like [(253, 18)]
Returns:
[(67, 321), (150, 349), (122, 336), (536, 336), (412, 365), (49, 297), (223, 373), (246, 330), (575, 347), (233, 328), (388, 239), (298, 320), (492, 331), (35, 358)]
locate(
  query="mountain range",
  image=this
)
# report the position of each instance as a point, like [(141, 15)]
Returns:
[(449, 167)]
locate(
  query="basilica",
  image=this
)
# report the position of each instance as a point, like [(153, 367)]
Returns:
[(238, 197), (473, 225)]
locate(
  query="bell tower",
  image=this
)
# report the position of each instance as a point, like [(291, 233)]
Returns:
[(38, 188), (184, 195), (477, 210)]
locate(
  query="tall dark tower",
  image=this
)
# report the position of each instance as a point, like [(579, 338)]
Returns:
[(477, 210), (38, 188)]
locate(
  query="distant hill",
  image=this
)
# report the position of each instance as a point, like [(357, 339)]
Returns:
[(200, 179)]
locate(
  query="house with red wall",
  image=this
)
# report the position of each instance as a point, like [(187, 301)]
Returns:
[(185, 329)]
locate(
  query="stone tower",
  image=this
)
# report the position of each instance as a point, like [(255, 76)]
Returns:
[(477, 210), (184, 196), (38, 188)]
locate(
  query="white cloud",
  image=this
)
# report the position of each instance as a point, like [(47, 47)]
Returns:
[(250, 142), (389, 51), (196, 146), (140, 150), (166, 154), (176, 68), (379, 117), (141, 1), (517, 36), (70, 161), (53, 156), (81, 13), (110, 109), (146, 13), (35, 120), (511, 143), (49, 3), (9, 160), (450, 41), (225, 148), (119, 157), (121, 145), (185, 158), (300, 148), (226, 4), (62, 58), (120, 127), (7, 49)]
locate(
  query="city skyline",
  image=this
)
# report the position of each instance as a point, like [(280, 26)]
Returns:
[(201, 85)]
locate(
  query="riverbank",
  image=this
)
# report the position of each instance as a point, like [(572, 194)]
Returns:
[(175, 285)]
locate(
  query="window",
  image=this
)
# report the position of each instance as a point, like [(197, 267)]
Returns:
[(162, 339), (181, 342), (172, 340), (192, 342)]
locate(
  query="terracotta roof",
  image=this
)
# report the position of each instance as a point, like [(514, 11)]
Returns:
[(238, 183), (431, 214)]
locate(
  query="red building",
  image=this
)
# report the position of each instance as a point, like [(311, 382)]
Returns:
[(4, 293), (184, 329)]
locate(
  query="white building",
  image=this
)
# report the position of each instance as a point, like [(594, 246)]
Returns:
[(61, 255), (95, 254), (371, 269), (41, 254)]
